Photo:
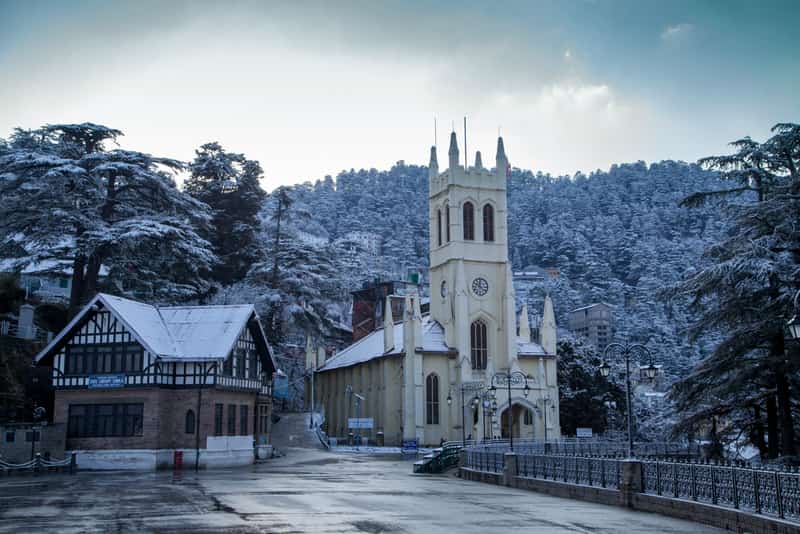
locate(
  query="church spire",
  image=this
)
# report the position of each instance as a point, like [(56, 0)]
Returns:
[(524, 324), (478, 162), (433, 162), (453, 152), (501, 159)]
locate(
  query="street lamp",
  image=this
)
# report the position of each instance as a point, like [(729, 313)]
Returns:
[(794, 323), (474, 403), (617, 350), (505, 379)]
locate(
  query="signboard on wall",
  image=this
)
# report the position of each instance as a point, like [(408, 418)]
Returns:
[(360, 422), (583, 432), (105, 381), (409, 446)]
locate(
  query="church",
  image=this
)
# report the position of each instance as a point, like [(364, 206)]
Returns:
[(466, 369)]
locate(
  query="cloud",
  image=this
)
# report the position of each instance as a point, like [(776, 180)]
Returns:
[(677, 33)]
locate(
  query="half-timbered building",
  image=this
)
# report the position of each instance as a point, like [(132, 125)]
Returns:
[(143, 387)]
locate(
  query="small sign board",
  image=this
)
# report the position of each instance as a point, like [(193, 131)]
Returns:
[(409, 446), (280, 386), (105, 381), (583, 432), (359, 422)]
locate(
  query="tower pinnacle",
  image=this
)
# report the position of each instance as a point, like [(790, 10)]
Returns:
[(453, 152)]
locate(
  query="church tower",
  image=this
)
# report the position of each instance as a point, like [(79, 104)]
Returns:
[(472, 295)]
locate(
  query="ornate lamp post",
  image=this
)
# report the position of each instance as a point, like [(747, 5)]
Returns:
[(474, 403), (506, 379), (617, 350)]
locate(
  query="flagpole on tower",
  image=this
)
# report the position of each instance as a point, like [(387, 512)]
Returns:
[(466, 154)]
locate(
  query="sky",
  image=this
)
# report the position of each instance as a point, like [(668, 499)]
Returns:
[(312, 88)]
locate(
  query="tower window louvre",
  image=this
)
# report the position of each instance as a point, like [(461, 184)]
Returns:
[(479, 346), (469, 221), (447, 222), (439, 227), (488, 223)]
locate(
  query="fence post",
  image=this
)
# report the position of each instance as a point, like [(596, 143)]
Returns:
[(778, 496), (658, 478), (631, 482), (756, 492), (675, 479), (735, 481), (589, 464), (713, 483), (73, 462), (693, 472), (603, 472), (510, 469)]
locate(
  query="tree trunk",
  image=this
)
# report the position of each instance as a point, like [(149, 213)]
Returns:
[(785, 415), (76, 291), (772, 428), (757, 436)]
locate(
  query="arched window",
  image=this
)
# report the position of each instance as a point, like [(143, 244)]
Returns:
[(439, 227), (447, 222), (432, 399), (469, 221), (488, 223), (479, 347), (189, 422)]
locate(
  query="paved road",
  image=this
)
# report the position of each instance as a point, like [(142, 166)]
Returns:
[(307, 491)]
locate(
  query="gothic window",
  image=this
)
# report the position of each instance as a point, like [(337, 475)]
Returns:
[(231, 419), (488, 223), (469, 221), (447, 222), (439, 227), (479, 347), (189, 422), (432, 400)]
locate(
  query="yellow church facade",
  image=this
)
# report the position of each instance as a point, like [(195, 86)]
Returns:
[(445, 375)]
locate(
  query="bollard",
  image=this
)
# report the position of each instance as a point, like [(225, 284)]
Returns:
[(73, 463)]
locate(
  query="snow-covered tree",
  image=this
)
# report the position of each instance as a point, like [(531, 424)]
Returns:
[(229, 183), (745, 294), (64, 196)]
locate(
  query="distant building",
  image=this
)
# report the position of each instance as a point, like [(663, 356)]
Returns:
[(47, 280), (139, 386), (368, 303), (594, 323)]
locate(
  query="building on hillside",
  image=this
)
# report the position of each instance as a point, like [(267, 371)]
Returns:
[(420, 375), (47, 280), (139, 386), (594, 323)]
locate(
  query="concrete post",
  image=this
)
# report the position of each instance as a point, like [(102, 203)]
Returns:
[(510, 470), (462, 458), (630, 481)]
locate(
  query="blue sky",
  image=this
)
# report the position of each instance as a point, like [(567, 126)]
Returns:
[(315, 87)]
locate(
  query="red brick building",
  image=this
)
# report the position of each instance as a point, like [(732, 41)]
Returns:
[(137, 386)]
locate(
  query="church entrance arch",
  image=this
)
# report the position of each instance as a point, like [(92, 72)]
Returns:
[(518, 411)]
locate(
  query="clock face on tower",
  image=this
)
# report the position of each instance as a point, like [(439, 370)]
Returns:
[(480, 286)]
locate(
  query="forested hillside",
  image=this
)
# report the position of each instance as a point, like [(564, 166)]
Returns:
[(614, 236)]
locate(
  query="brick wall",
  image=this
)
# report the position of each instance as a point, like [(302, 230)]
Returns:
[(164, 415)]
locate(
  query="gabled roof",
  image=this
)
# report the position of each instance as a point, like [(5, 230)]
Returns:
[(370, 347), (174, 333)]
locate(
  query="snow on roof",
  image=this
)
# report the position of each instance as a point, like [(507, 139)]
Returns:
[(529, 348), (173, 333), (370, 346)]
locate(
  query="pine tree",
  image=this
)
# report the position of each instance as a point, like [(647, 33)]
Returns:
[(229, 183), (64, 196)]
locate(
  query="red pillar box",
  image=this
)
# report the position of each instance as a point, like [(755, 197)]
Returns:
[(178, 460)]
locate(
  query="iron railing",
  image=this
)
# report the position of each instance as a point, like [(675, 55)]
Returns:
[(761, 491), (597, 472), (596, 447), (486, 460)]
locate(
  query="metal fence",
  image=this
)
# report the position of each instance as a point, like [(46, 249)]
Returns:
[(754, 490), (596, 447), (39, 463), (486, 460), (598, 472)]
